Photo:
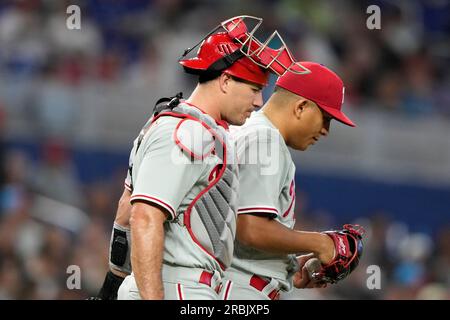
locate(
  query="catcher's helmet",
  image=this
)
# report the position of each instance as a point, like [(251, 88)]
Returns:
[(237, 52), (219, 52)]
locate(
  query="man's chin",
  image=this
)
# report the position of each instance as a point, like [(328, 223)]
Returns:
[(237, 122)]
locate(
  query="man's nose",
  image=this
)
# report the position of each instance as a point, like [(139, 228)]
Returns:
[(258, 101)]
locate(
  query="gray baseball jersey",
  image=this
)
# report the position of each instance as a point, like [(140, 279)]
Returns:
[(266, 177), (164, 174)]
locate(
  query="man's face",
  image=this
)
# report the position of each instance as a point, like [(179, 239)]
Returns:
[(313, 123), (244, 98)]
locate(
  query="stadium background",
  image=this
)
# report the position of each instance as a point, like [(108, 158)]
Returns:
[(72, 101)]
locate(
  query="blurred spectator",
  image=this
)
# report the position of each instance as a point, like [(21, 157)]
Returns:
[(55, 176), (55, 104), (23, 45), (15, 168), (86, 41)]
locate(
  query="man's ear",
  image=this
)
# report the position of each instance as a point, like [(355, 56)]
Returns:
[(224, 82), (299, 106)]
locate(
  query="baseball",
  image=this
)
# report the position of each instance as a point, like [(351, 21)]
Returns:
[(312, 265)]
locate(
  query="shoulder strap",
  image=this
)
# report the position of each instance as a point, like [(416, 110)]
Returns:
[(160, 105), (172, 103)]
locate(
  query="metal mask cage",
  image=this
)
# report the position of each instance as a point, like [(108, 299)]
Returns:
[(278, 60)]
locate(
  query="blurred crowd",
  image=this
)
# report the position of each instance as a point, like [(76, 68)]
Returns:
[(50, 219)]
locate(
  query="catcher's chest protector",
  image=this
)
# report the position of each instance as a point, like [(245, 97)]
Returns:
[(211, 217)]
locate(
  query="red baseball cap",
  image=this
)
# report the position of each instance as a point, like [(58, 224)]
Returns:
[(321, 85)]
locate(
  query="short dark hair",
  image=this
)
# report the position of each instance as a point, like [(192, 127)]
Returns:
[(208, 76)]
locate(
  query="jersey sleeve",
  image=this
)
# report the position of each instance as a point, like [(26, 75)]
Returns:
[(260, 169), (128, 184), (165, 174)]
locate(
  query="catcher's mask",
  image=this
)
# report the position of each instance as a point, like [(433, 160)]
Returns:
[(232, 49)]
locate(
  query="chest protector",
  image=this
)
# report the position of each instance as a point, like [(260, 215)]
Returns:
[(211, 216)]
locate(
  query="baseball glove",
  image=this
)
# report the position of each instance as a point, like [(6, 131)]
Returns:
[(348, 250)]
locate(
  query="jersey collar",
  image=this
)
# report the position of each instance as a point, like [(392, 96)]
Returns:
[(219, 122)]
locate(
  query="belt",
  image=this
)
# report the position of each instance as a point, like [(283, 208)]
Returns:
[(262, 284), (206, 277), (185, 275)]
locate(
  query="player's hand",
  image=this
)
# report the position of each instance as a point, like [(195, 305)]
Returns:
[(326, 255), (301, 278)]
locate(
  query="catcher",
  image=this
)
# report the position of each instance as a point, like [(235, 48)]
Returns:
[(297, 115)]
